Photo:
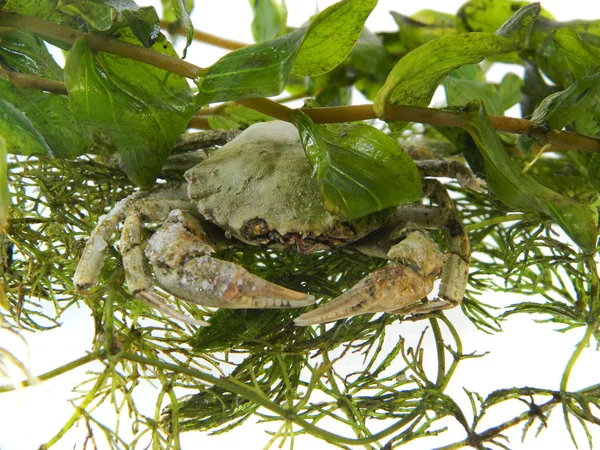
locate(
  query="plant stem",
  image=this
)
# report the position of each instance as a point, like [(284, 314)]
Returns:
[(499, 219), (200, 36), (54, 372), (199, 122), (431, 116), (33, 82), (441, 353), (584, 341), (494, 431), (336, 114), (91, 395), (100, 43), (258, 399)]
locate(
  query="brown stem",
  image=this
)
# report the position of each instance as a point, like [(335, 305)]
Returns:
[(199, 122), (268, 107), (100, 43), (179, 29), (431, 116), (33, 82), (291, 98)]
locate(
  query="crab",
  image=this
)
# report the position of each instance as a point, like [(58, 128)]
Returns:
[(258, 189)]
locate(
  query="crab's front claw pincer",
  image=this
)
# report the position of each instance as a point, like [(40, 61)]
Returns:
[(387, 289), (180, 255), (212, 282)]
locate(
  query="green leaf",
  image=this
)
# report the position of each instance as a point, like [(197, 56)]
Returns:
[(270, 17), (38, 8), (142, 20), (141, 108), (415, 78), (368, 55), (521, 191), (580, 56), (461, 90), (179, 11), (359, 169), (263, 69), (510, 90), (331, 36), (422, 27), (83, 16), (489, 15), (48, 114), (594, 171), (434, 18), (21, 51), (469, 83), (365, 68), (562, 108), (18, 134), (235, 117), (259, 70)]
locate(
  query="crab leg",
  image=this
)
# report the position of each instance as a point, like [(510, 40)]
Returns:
[(153, 205), (139, 282), (416, 263), (180, 255)]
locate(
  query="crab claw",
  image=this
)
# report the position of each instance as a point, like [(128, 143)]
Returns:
[(180, 255), (390, 288), (212, 282)]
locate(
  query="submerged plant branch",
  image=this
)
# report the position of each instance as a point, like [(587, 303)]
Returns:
[(33, 82), (431, 116), (201, 36), (53, 373), (99, 43)]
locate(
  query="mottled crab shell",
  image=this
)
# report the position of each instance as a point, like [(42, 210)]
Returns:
[(259, 185)]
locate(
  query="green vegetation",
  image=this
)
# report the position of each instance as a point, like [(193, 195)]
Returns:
[(77, 139)]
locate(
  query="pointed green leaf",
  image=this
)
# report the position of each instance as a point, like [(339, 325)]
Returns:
[(580, 55), (179, 11), (263, 69), (141, 108), (422, 27), (594, 171), (21, 51), (331, 36), (49, 115), (270, 17), (18, 134), (359, 169), (521, 191), (562, 108), (510, 90), (142, 20), (38, 8), (469, 83), (83, 16), (235, 117), (489, 15), (460, 90), (259, 70), (417, 75)]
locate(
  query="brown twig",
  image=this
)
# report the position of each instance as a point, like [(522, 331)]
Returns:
[(100, 43), (200, 36), (431, 116), (33, 82)]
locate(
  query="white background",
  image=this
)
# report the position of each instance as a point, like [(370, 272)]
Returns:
[(524, 354)]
